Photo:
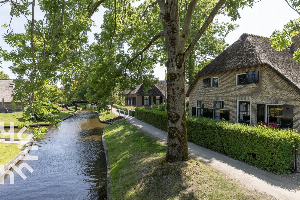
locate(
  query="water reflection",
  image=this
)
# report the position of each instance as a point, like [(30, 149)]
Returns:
[(71, 164)]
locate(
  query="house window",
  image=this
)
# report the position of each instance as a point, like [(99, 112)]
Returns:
[(274, 114), (215, 82), (133, 101), (244, 112), (207, 82), (241, 79), (157, 100), (146, 100), (200, 106), (218, 106), (247, 78)]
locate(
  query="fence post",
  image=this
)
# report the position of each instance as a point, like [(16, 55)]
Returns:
[(295, 167)]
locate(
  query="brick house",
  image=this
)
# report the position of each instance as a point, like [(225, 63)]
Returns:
[(139, 97), (249, 82)]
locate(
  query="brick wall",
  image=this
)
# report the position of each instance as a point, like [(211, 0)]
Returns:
[(271, 89)]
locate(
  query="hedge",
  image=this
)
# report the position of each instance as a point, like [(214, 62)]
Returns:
[(266, 148)]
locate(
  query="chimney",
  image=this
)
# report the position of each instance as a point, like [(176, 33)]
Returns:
[(296, 43)]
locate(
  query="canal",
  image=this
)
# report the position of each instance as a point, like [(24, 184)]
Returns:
[(71, 164)]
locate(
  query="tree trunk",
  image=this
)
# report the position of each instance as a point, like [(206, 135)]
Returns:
[(177, 133)]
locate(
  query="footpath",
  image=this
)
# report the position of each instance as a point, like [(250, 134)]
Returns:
[(283, 187)]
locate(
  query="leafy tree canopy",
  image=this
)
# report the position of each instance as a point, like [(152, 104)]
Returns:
[(287, 36)]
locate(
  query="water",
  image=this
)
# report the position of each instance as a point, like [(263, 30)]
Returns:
[(71, 164)]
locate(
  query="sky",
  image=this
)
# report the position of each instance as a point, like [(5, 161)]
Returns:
[(262, 19)]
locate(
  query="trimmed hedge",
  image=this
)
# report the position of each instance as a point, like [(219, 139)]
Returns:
[(266, 148)]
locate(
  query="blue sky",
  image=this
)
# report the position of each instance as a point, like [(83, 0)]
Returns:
[(265, 17)]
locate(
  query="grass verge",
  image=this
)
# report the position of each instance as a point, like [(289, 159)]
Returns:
[(104, 116), (8, 151), (138, 171)]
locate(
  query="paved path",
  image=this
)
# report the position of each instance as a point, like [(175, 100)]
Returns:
[(274, 185)]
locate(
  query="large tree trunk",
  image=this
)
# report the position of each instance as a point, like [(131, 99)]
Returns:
[(175, 45), (177, 134)]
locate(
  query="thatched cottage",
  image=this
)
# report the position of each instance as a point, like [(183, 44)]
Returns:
[(249, 82), (139, 97)]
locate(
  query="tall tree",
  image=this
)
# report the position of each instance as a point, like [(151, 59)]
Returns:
[(176, 34)]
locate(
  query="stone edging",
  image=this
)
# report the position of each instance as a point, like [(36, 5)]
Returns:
[(107, 161), (16, 159), (107, 166)]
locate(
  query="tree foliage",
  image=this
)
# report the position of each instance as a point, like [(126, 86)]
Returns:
[(134, 37), (286, 37), (3, 75)]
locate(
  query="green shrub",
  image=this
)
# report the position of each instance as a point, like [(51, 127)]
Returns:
[(264, 147), (154, 117)]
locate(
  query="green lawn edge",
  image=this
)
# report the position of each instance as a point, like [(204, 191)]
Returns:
[(8, 151), (138, 171), (105, 116)]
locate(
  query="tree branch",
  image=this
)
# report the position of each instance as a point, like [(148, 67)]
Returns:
[(150, 5), (4, 1), (147, 47), (203, 28), (292, 7), (94, 8), (187, 24)]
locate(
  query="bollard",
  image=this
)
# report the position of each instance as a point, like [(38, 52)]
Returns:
[(296, 157)]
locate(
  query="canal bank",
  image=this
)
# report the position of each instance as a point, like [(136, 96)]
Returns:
[(4, 170), (71, 164)]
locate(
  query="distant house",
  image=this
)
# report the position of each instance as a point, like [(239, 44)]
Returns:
[(139, 97), (6, 90), (249, 82)]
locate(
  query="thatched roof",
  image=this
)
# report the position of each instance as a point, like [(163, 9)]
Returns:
[(251, 50), (6, 89)]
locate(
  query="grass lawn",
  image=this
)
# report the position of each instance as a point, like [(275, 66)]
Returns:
[(104, 116), (138, 171), (8, 152)]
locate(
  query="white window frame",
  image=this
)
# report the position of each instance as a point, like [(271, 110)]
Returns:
[(147, 101), (211, 81), (237, 110), (266, 111), (236, 78)]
